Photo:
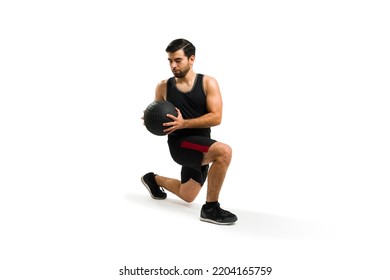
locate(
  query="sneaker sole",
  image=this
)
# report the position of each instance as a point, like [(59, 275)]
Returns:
[(150, 192), (215, 222)]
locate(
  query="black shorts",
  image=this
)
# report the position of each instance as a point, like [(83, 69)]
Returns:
[(188, 152)]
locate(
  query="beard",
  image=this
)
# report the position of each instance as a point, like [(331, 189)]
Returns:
[(181, 73)]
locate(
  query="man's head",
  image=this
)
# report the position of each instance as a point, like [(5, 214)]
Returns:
[(181, 44), (181, 56)]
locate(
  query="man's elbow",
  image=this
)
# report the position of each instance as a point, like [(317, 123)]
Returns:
[(217, 121)]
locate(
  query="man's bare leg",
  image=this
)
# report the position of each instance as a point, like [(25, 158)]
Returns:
[(219, 155), (187, 191)]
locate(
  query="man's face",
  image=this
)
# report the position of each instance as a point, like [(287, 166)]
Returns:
[(179, 63)]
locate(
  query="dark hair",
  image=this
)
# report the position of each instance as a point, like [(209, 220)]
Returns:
[(178, 44)]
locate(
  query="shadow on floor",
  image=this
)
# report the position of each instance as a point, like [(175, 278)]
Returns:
[(251, 223)]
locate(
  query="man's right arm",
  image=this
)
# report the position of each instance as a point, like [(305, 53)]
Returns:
[(161, 91)]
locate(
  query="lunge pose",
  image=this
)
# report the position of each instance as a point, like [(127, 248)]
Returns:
[(198, 101)]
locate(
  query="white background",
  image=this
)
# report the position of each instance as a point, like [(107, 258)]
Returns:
[(306, 111)]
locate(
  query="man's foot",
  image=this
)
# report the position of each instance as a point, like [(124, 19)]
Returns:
[(155, 190), (217, 215)]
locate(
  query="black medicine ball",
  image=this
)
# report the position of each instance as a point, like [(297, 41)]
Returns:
[(156, 114)]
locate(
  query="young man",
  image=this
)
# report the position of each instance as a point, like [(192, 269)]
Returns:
[(198, 101)]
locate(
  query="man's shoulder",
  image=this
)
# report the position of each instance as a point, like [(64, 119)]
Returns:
[(163, 83), (209, 80)]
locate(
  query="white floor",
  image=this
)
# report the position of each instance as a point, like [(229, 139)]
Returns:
[(305, 90)]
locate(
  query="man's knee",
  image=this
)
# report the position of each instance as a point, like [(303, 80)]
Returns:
[(189, 197), (218, 152), (224, 153), (228, 152), (189, 190)]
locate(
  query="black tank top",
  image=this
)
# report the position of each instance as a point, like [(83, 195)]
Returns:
[(192, 104)]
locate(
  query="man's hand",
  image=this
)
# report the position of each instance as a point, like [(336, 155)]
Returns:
[(176, 123)]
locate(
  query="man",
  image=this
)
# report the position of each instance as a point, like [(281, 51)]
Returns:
[(198, 102)]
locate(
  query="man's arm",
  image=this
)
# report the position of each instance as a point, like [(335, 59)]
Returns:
[(214, 107), (161, 91)]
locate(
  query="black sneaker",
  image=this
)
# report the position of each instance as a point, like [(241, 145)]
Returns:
[(217, 216), (155, 190)]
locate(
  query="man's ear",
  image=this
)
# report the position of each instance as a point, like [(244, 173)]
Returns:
[(192, 58)]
